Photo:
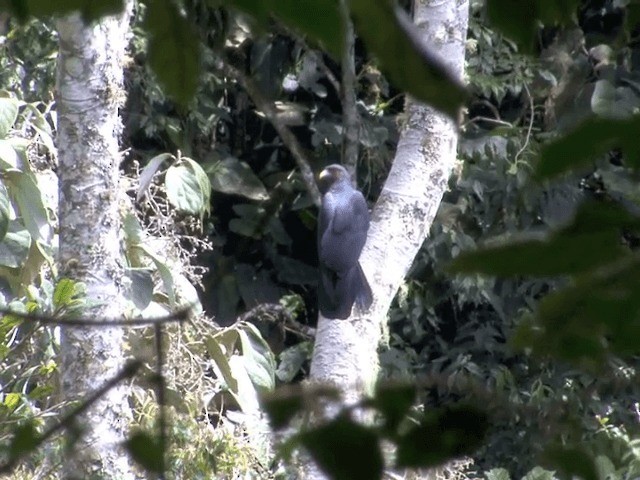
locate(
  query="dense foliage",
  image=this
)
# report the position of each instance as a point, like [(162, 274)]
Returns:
[(546, 340)]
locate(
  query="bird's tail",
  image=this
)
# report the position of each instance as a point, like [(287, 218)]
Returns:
[(364, 295)]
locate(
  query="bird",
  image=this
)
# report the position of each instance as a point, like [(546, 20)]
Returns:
[(343, 222)]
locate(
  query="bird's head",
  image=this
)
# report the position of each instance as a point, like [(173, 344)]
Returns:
[(330, 175)]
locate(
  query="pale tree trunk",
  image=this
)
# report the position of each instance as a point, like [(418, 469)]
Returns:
[(345, 352), (89, 93)]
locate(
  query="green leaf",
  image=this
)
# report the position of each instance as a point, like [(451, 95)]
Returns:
[(559, 255), (258, 358), (571, 461), (497, 474), (441, 435), (146, 450), (345, 450), (12, 400), (134, 234), (25, 440), (394, 402), (539, 473), (521, 21), (592, 139), (89, 9), (222, 362), (30, 204), (5, 211), (292, 359), (320, 20), (165, 274), (64, 292), (8, 115), (9, 157), (283, 405), (235, 177), (188, 187), (174, 53), (395, 41), (14, 249), (141, 287), (148, 172)]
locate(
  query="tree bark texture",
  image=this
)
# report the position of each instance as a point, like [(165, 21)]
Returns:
[(345, 352), (89, 93)]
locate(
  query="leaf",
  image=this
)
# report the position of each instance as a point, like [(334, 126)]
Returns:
[(394, 402), (521, 21), (9, 157), (319, 19), (141, 292), (559, 255), (30, 205), (90, 10), (5, 211), (591, 139), (8, 115), (148, 172), (235, 177), (25, 440), (188, 187), (571, 461), (392, 37), (12, 400), (64, 292), (442, 434), (133, 232), (283, 405), (174, 53), (345, 450), (291, 361), (258, 358), (497, 474), (146, 450), (222, 362), (14, 249), (165, 274)]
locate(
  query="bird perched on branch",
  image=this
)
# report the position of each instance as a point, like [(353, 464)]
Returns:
[(342, 231)]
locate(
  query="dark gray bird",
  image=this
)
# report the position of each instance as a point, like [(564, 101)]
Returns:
[(342, 230)]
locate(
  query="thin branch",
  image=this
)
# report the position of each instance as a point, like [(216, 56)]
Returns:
[(178, 316), (349, 107), (160, 385), (267, 107), (273, 312), (531, 117)]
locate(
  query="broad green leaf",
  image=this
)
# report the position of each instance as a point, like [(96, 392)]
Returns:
[(89, 9), (148, 172), (221, 361), (345, 450), (283, 405), (174, 53), (291, 361), (64, 292), (188, 295), (442, 434), (8, 115), (146, 450), (559, 255), (592, 139), (5, 211), (25, 440), (521, 21), (133, 232), (571, 461), (9, 157), (14, 249), (188, 187), (539, 473), (30, 205), (497, 474), (235, 177), (394, 402), (395, 41), (141, 292), (320, 20), (165, 274), (258, 358), (12, 400)]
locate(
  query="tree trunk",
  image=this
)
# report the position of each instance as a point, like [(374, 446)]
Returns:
[(345, 352), (89, 93)]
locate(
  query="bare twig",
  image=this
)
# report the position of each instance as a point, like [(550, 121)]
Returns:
[(531, 116), (178, 316)]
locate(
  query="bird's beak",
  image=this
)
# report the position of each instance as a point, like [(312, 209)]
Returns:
[(324, 174)]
